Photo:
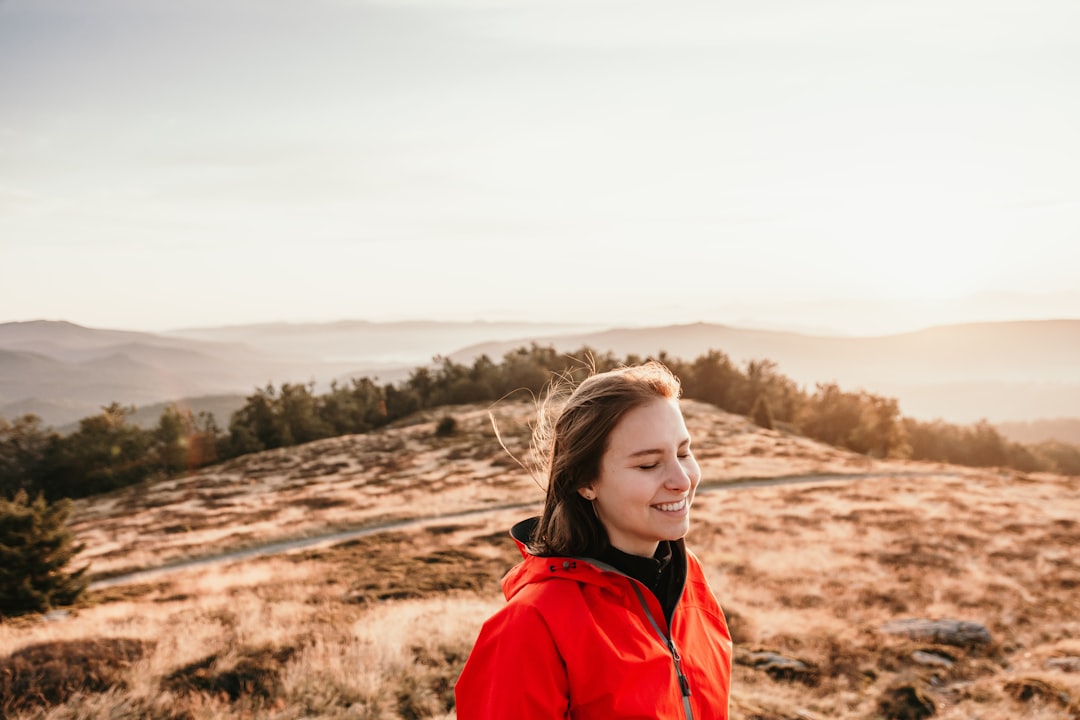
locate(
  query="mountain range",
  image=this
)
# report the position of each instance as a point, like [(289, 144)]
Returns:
[(1018, 371)]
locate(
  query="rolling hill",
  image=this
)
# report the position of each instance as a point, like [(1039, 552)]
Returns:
[(961, 373)]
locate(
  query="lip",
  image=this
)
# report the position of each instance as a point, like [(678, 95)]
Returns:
[(673, 507)]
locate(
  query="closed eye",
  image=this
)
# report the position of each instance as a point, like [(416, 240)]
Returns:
[(648, 467)]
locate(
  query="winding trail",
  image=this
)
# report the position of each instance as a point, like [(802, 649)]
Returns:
[(284, 546)]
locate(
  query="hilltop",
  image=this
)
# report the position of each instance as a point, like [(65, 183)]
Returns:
[(401, 472)]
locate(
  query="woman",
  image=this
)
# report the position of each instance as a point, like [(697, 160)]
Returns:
[(608, 616)]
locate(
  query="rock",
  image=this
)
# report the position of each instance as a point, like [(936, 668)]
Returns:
[(1065, 664), (958, 633), (780, 667), (931, 659)]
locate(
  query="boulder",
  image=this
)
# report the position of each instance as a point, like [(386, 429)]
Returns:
[(958, 633), (1070, 663), (780, 667), (932, 659)]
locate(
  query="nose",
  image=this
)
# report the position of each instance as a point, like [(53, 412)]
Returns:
[(679, 478)]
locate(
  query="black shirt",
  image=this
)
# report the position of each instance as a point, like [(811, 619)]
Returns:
[(664, 573)]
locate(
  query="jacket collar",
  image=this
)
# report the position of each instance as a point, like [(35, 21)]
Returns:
[(537, 568)]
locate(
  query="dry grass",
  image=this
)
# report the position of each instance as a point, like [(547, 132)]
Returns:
[(338, 483), (303, 635), (379, 627), (815, 573)]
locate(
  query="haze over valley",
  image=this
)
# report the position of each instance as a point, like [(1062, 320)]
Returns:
[(1017, 372)]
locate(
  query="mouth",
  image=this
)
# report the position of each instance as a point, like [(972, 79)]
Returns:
[(673, 507)]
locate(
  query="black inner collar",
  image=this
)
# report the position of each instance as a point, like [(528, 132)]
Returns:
[(648, 570)]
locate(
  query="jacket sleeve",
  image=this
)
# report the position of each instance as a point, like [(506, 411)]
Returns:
[(514, 672)]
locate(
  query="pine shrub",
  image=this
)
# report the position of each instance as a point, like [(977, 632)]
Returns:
[(35, 548)]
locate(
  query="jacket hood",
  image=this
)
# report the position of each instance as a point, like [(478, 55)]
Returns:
[(537, 568), (522, 533)]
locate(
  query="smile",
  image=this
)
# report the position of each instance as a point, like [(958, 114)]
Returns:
[(673, 507)]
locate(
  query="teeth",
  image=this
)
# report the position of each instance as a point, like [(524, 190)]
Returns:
[(672, 507)]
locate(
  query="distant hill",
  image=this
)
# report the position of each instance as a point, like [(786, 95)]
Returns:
[(1065, 430), (1008, 371), (374, 344), (63, 372), (962, 373)]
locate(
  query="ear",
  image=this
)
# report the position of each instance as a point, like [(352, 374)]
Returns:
[(587, 493)]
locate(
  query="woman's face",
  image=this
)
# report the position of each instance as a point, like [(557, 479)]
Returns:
[(647, 479)]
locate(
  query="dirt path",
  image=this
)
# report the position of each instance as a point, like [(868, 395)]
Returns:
[(284, 546)]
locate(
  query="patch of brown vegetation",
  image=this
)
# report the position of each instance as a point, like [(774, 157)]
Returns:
[(245, 672), (1039, 693), (414, 565), (50, 673), (906, 701)]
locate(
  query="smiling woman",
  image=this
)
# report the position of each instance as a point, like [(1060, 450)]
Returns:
[(647, 479), (608, 615)]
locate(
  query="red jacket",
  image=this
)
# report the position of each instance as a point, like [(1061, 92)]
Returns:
[(578, 639)]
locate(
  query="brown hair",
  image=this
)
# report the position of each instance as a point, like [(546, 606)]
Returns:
[(571, 442)]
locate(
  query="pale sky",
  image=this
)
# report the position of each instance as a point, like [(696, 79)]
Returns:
[(843, 165)]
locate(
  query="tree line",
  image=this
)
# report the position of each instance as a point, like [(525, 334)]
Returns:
[(107, 452)]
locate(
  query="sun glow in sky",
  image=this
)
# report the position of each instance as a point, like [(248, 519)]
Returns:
[(838, 165)]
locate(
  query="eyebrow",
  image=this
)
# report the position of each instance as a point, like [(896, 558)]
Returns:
[(656, 451), (641, 453)]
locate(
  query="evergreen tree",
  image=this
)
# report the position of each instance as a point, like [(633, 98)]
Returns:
[(257, 426), (35, 547), (182, 442), (23, 447), (170, 439), (714, 379), (297, 411), (761, 413), (105, 453)]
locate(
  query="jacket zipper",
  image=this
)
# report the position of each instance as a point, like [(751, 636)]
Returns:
[(684, 684), (676, 658)]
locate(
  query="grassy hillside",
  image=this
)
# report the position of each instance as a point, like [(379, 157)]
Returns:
[(379, 626)]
